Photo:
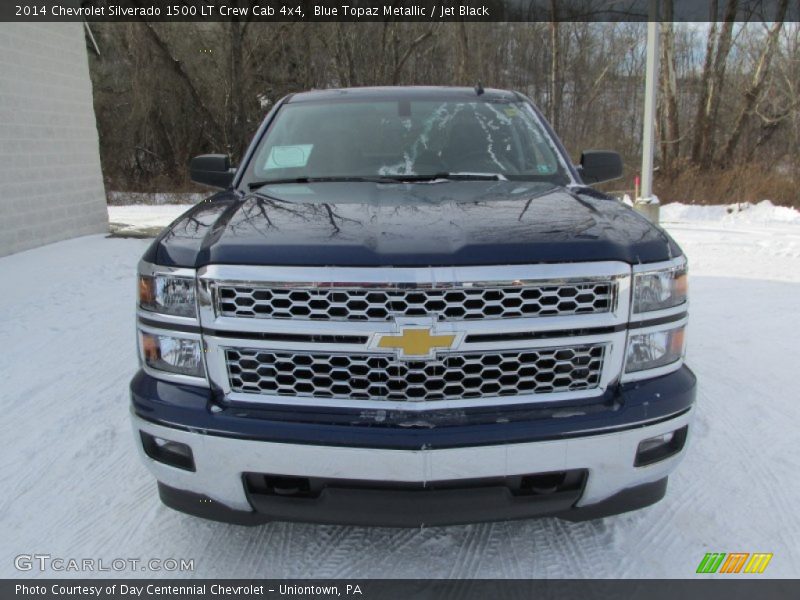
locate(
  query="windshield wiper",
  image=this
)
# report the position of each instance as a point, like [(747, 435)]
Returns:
[(467, 176), (258, 184), (457, 176), (452, 176)]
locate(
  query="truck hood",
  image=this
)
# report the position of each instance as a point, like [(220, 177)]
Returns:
[(441, 223)]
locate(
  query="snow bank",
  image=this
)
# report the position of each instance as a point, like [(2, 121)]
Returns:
[(745, 213), (144, 216), (125, 198)]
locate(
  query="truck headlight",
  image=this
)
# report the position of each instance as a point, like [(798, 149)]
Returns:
[(654, 349), (172, 354), (657, 290), (168, 295)]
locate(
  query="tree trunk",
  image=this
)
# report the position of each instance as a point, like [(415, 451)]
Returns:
[(670, 133), (705, 127), (555, 61), (705, 83), (753, 92), (463, 56), (236, 116)]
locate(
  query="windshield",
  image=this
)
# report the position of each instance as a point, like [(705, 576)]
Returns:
[(406, 138)]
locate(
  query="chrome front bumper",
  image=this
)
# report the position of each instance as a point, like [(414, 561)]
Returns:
[(221, 462)]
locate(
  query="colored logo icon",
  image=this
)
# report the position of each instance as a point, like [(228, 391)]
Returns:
[(734, 562)]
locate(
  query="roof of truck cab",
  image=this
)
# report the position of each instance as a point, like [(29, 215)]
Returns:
[(404, 93)]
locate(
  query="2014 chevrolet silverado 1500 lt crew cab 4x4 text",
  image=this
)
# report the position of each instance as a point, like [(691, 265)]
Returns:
[(407, 307)]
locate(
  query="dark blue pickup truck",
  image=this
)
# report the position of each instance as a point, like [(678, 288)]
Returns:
[(408, 308)]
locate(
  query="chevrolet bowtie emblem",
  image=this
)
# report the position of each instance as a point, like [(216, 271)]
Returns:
[(416, 342)]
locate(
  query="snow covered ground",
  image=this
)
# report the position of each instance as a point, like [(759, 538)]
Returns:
[(72, 485)]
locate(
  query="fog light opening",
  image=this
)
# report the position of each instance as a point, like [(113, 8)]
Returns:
[(546, 483), (174, 454), (660, 447)]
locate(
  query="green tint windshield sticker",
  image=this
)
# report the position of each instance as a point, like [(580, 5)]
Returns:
[(288, 157), (291, 190)]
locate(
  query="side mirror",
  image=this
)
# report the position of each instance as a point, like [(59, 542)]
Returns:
[(212, 169), (600, 165)]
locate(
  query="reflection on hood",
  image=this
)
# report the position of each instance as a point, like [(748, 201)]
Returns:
[(419, 224)]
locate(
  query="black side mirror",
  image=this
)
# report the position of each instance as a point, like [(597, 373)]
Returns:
[(212, 169), (600, 165)]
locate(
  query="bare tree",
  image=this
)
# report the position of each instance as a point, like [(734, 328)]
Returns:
[(717, 51), (756, 87), (670, 124), (555, 60)]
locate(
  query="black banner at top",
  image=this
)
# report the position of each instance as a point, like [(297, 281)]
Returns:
[(397, 10)]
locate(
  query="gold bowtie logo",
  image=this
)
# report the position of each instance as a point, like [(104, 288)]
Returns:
[(416, 342)]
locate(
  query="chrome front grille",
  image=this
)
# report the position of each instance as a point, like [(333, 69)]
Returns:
[(450, 376), (281, 301), (340, 336)]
